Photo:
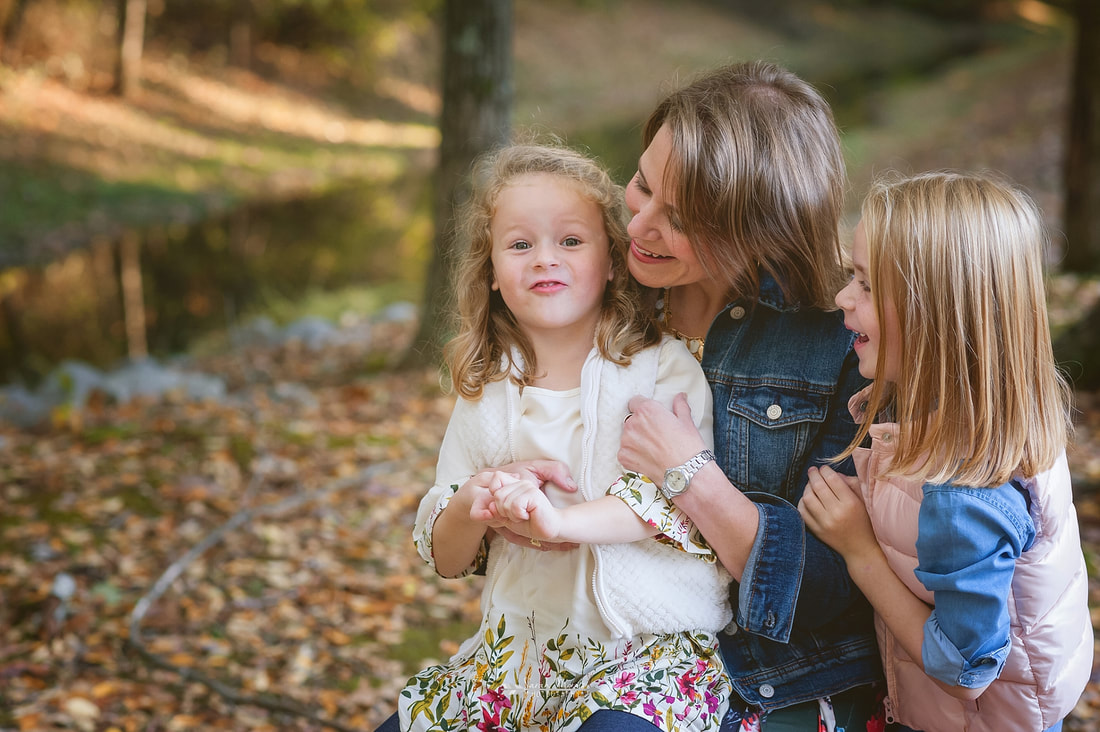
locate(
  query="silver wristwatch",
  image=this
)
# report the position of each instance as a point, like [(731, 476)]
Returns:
[(679, 478)]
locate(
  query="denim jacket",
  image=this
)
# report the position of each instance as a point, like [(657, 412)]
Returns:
[(781, 379)]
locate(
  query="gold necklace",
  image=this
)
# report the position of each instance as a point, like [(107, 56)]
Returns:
[(664, 317)]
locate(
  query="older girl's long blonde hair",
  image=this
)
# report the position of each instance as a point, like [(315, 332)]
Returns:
[(481, 351), (978, 398)]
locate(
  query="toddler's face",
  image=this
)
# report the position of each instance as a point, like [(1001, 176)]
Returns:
[(551, 256)]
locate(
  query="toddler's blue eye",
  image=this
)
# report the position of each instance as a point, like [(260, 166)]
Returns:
[(571, 241)]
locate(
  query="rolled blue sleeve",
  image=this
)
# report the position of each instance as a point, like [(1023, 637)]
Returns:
[(968, 543), (787, 569), (769, 588)]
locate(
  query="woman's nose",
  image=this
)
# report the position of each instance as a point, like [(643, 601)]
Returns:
[(640, 226)]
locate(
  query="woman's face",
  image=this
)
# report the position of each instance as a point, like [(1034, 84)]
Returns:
[(660, 253)]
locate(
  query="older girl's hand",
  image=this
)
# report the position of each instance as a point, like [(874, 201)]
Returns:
[(656, 439), (833, 510)]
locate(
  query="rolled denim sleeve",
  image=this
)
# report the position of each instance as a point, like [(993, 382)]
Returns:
[(789, 568), (968, 542), (769, 586)]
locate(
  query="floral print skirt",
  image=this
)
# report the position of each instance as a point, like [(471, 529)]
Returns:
[(514, 681)]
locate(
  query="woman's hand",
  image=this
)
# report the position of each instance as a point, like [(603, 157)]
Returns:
[(656, 439), (833, 509), (542, 472)]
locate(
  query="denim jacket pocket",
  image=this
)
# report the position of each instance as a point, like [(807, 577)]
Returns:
[(769, 425)]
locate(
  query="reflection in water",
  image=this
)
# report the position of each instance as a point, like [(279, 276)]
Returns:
[(202, 278)]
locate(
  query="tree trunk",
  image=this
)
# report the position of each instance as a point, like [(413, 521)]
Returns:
[(133, 295), (1077, 351), (131, 42), (11, 313), (476, 116), (240, 35), (12, 25), (1082, 175)]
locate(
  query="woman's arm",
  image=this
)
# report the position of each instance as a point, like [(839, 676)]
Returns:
[(656, 438)]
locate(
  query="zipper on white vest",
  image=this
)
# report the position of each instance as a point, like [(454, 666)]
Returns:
[(590, 394)]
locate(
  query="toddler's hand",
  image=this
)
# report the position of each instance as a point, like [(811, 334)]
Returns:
[(525, 508), (483, 506)]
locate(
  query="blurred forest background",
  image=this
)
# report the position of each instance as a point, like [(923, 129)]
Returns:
[(216, 222)]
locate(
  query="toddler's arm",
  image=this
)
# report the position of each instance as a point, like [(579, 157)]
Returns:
[(524, 508), (456, 537)]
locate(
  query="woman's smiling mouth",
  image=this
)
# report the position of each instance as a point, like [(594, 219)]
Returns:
[(645, 253)]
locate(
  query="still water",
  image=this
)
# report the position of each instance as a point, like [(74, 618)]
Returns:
[(203, 278)]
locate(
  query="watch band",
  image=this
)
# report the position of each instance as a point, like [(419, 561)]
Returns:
[(678, 479)]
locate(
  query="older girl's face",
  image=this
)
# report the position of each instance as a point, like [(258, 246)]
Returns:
[(859, 316), (660, 253)]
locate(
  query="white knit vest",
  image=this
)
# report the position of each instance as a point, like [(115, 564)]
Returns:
[(640, 587)]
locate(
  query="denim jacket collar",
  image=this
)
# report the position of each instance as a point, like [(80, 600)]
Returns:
[(771, 295)]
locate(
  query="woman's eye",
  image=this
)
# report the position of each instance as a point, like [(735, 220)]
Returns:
[(675, 224), (571, 241), (640, 185)]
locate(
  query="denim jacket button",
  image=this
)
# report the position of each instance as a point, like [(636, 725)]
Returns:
[(774, 411), (737, 312), (767, 691)]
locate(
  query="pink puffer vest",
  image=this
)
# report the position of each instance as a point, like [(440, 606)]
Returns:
[(1052, 639)]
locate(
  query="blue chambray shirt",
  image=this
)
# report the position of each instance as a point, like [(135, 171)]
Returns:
[(781, 377), (967, 545)]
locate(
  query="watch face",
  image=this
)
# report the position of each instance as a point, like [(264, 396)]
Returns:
[(675, 481)]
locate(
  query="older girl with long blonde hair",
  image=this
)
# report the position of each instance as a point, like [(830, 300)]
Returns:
[(960, 528)]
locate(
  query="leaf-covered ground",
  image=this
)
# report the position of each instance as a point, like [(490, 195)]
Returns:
[(322, 602), (309, 605)]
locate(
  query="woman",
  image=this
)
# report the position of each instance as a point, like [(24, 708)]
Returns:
[(736, 205)]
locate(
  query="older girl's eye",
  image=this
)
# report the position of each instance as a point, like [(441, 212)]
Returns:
[(675, 224), (571, 241), (862, 283), (641, 186)]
